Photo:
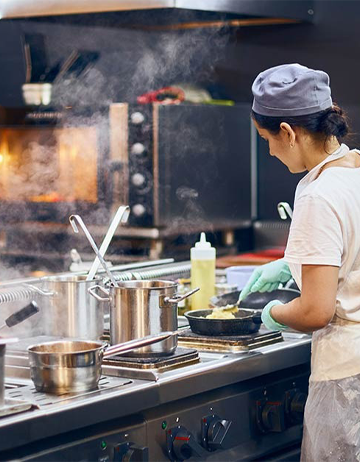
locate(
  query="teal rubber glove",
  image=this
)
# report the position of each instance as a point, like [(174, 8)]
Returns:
[(267, 278), (268, 321)]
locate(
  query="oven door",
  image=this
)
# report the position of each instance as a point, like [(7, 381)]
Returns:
[(53, 164), (189, 166)]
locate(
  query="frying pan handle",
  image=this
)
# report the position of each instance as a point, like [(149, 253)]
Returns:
[(257, 317), (92, 292), (179, 298)]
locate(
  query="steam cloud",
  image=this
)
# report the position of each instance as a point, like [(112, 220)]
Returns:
[(132, 61)]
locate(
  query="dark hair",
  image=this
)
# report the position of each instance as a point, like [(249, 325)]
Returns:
[(324, 124)]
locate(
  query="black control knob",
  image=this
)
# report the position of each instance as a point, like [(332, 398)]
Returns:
[(130, 452), (295, 401), (137, 118), (182, 445), (138, 149), (273, 417), (270, 416), (214, 431)]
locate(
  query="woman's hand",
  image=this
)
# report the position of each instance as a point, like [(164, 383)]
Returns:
[(315, 308), (267, 278)]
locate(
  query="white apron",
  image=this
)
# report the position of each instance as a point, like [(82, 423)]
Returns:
[(332, 411)]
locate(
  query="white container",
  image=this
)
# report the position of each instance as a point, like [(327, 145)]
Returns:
[(203, 259), (239, 275)]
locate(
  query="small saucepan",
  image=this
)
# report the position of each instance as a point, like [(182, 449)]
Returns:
[(72, 366), (246, 322)]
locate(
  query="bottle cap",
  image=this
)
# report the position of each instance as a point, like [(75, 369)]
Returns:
[(203, 243)]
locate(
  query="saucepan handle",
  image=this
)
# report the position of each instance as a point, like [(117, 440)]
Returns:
[(134, 344), (92, 292), (178, 298)]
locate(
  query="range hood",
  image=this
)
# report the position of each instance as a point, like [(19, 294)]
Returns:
[(293, 9)]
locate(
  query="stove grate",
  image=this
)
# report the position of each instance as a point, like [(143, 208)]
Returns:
[(181, 357), (231, 344)]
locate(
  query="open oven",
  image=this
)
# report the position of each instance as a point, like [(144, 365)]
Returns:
[(52, 164)]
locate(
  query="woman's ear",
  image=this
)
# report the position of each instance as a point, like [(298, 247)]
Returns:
[(289, 133)]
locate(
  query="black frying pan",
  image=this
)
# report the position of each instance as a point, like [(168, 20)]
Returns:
[(256, 300), (245, 322)]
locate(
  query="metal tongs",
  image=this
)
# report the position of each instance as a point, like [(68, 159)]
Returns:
[(77, 218), (121, 216)]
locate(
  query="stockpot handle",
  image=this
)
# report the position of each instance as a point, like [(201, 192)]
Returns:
[(92, 292), (179, 298), (39, 291)]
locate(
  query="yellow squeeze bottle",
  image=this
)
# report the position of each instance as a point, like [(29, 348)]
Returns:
[(203, 258)]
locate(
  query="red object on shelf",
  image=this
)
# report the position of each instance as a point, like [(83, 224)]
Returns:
[(166, 95), (251, 258)]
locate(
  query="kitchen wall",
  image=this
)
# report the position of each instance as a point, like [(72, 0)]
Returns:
[(330, 44), (223, 60)]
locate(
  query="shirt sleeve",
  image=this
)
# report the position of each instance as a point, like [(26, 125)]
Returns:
[(315, 236)]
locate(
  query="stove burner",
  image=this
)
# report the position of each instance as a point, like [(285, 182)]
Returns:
[(232, 343), (181, 357)]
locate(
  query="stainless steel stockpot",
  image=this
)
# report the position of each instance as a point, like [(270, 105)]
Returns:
[(3, 342), (68, 310), (141, 308)]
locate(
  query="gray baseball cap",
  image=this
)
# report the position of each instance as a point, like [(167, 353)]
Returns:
[(291, 90)]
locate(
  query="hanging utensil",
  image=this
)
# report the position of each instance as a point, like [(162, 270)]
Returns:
[(284, 210), (77, 218), (74, 55), (75, 256), (28, 64), (121, 216), (21, 315)]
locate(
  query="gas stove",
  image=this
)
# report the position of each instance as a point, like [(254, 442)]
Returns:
[(164, 404)]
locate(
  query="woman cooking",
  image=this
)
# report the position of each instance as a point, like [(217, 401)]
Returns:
[(293, 111)]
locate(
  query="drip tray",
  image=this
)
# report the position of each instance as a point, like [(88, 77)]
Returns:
[(149, 368), (231, 344)]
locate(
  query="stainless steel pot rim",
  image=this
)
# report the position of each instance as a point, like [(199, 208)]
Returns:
[(155, 284), (92, 346), (70, 279)]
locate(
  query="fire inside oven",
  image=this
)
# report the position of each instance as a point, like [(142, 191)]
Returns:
[(48, 164)]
